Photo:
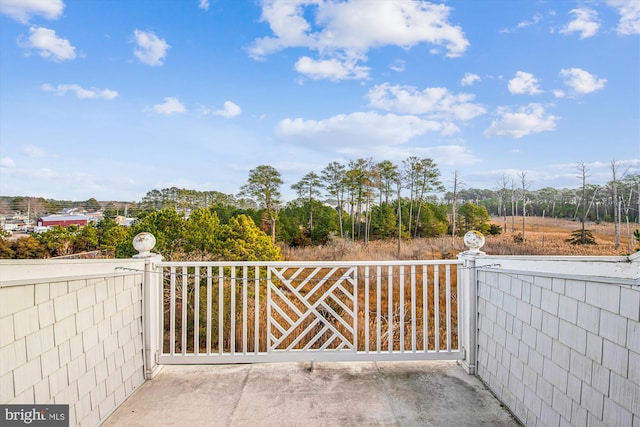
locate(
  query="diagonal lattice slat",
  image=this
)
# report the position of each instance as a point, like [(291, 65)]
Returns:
[(324, 303)]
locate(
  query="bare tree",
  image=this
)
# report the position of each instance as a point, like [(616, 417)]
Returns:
[(626, 203), (583, 169), (399, 187), (523, 194), (616, 216), (502, 194), (636, 180), (514, 206), (456, 186)]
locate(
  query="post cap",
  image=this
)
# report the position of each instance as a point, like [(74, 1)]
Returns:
[(474, 240), (143, 243)]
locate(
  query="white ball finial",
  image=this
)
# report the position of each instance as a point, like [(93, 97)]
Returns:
[(474, 241), (143, 243)]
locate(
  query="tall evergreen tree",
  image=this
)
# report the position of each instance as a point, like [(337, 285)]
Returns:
[(264, 184), (333, 178), (307, 189), (427, 182)]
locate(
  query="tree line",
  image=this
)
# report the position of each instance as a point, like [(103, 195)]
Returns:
[(564, 203), (201, 236), (363, 200)]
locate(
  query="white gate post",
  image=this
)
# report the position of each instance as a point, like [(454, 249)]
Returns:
[(151, 302), (469, 290)]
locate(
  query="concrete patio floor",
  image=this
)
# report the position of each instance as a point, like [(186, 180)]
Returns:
[(420, 393)]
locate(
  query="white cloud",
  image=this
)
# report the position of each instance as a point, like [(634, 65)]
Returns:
[(443, 155), (76, 184), (521, 122), (585, 22), (581, 81), (347, 30), (230, 110), (21, 175), (23, 10), (558, 93), (287, 23), (469, 78), (398, 65), (7, 162), (629, 11), (346, 133), (33, 151), (151, 49), (82, 93), (536, 18), (523, 24), (524, 83), (436, 102), (203, 4), (49, 44), (170, 106), (332, 69)]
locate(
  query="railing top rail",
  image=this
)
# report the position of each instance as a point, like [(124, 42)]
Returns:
[(306, 263)]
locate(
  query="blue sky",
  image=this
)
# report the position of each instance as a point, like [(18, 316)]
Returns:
[(111, 99)]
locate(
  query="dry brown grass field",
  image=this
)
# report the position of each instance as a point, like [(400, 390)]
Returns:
[(543, 236)]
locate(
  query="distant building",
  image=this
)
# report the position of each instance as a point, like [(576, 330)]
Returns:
[(95, 217), (124, 221), (71, 211), (62, 220), (14, 223)]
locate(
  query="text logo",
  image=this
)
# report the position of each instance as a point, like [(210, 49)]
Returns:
[(34, 415)]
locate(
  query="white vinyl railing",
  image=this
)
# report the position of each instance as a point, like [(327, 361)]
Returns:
[(234, 312)]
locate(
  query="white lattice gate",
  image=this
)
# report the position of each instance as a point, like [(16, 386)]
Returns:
[(316, 312), (301, 311)]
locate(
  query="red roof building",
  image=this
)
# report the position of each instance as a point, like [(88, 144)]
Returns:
[(62, 220)]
